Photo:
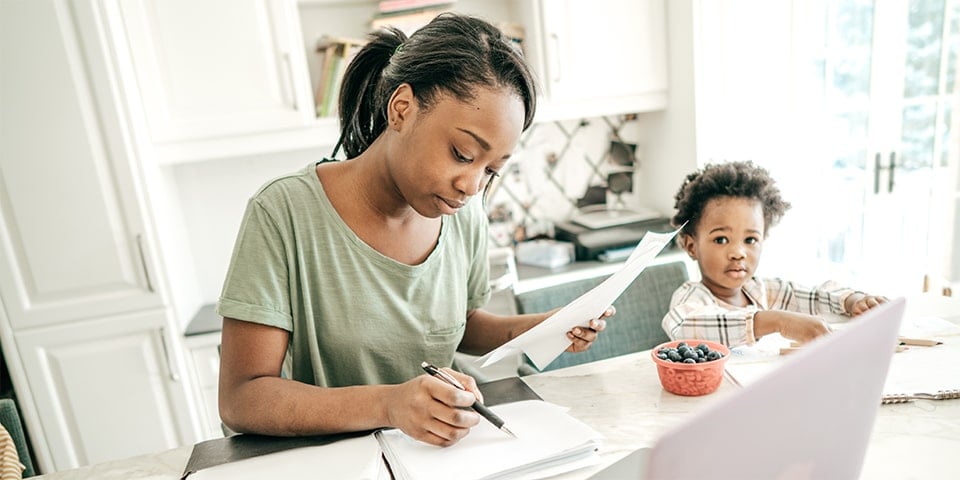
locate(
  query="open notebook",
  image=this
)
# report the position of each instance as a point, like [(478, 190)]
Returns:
[(549, 442)]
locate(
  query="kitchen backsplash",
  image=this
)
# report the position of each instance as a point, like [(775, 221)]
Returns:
[(552, 170)]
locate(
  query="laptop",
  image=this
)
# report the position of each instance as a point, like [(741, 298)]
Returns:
[(809, 419)]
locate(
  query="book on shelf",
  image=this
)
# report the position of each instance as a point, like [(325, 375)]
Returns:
[(336, 53), (389, 6), (407, 22)]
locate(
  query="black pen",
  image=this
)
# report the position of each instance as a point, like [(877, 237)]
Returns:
[(479, 407)]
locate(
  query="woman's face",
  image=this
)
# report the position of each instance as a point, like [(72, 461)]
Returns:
[(447, 154), (727, 244)]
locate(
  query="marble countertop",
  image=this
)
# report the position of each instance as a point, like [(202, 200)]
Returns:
[(627, 405)]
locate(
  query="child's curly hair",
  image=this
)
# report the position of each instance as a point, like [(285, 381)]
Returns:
[(732, 179)]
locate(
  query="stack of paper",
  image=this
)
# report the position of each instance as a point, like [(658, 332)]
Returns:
[(549, 442)]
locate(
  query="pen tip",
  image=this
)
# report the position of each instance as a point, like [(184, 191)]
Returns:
[(508, 432)]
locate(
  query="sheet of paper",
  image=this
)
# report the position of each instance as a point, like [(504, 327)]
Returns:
[(358, 458), (548, 340), (548, 439), (914, 370)]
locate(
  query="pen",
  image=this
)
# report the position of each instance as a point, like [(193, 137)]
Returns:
[(479, 407)]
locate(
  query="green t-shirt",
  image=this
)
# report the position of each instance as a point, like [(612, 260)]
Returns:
[(356, 317)]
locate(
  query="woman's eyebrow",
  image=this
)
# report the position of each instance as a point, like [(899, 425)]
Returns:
[(483, 143)]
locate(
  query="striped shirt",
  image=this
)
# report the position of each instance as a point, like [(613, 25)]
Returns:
[(10, 466), (695, 313)]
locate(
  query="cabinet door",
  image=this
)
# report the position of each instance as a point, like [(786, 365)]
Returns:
[(603, 56), (72, 239), (106, 389), (216, 68)]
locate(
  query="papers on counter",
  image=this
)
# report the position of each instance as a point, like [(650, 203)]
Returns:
[(549, 442), (916, 369), (357, 458), (548, 340)]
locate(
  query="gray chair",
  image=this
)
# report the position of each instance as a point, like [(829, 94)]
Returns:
[(636, 326), (10, 419)]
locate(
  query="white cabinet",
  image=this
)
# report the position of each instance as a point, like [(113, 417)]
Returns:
[(598, 57), (86, 330), (217, 77), (107, 388), (205, 356)]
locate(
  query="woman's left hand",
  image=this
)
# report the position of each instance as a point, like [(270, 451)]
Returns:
[(583, 337)]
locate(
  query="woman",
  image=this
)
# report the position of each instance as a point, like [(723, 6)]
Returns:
[(347, 275)]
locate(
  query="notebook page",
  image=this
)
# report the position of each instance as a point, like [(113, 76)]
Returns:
[(548, 439), (356, 458)]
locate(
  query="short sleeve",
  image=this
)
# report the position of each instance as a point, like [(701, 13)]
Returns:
[(256, 288)]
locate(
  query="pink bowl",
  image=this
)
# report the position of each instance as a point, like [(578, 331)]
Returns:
[(691, 379)]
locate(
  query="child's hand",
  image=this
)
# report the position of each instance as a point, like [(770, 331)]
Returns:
[(582, 337), (799, 327), (858, 303)]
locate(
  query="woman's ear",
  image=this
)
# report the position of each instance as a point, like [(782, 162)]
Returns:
[(401, 107)]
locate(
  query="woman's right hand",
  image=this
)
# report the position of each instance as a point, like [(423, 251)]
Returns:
[(432, 411)]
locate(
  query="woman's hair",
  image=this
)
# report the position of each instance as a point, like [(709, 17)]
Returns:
[(733, 179), (452, 54)]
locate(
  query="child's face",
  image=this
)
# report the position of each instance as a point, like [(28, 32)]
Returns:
[(727, 244)]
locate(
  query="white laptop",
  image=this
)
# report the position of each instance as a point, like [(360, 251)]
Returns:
[(809, 419)]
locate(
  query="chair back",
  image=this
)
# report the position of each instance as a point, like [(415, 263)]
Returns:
[(635, 327), (10, 419)]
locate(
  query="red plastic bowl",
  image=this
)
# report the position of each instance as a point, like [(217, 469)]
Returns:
[(691, 379)]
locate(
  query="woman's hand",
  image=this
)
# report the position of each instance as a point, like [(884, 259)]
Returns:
[(433, 411), (858, 303), (582, 337)]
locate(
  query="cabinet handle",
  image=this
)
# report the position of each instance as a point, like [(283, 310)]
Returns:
[(293, 92), (174, 375), (876, 173), (143, 263), (556, 56), (892, 168)]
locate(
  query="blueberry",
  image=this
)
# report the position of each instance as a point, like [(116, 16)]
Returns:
[(674, 356), (689, 360), (714, 355)]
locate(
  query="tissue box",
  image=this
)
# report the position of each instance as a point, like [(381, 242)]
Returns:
[(544, 253)]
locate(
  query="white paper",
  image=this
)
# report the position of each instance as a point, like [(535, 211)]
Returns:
[(546, 341), (916, 369), (356, 458), (549, 441)]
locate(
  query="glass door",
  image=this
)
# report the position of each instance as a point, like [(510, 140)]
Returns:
[(881, 77)]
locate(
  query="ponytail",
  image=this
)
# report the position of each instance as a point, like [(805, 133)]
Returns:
[(362, 109)]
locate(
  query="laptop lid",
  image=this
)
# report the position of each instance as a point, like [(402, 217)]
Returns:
[(809, 419)]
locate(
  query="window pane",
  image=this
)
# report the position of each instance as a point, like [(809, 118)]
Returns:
[(953, 45), (925, 31), (849, 42), (917, 136)]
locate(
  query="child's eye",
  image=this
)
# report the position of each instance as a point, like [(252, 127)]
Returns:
[(752, 240), (720, 240), (493, 173)]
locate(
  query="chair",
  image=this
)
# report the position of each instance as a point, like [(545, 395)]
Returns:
[(10, 419), (636, 326)]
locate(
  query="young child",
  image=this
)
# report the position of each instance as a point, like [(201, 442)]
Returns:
[(728, 209)]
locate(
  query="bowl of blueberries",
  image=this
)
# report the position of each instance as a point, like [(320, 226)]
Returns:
[(690, 367)]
